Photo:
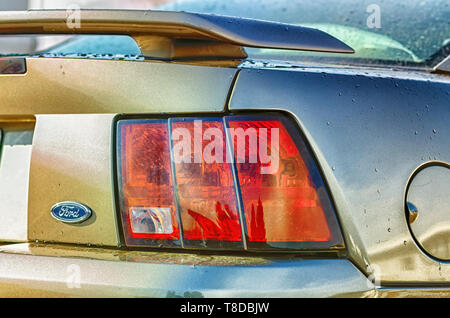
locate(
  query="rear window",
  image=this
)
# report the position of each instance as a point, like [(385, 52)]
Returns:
[(386, 32)]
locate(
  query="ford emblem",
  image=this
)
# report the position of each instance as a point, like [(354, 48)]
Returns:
[(70, 212)]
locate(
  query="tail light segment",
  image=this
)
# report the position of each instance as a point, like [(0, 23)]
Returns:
[(147, 191), (206, 191), (230, 183)]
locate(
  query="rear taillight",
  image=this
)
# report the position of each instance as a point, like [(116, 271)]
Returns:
[(238, 182), (147, 192)]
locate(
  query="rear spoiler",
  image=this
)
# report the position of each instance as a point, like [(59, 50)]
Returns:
[(175, 35)]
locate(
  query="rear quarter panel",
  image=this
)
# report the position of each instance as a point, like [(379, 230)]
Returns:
[(370, 129)]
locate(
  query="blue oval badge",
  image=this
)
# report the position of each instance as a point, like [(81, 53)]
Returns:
[(70, 212)]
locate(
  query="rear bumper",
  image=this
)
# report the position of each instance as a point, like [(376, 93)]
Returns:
[(26, 272)]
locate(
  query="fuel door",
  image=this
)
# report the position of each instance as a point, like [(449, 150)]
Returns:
[(428, 209)]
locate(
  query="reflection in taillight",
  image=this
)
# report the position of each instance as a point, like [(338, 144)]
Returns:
[(282, 206), (238, 182), (206, 193), (146, 182)]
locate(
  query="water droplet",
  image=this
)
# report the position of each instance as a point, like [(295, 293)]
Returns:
[(389, 229), (328, 123), (416, 132), (333, 168), (434, 131), (376, 170)]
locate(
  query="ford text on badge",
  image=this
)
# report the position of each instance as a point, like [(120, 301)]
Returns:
[(70, 212)]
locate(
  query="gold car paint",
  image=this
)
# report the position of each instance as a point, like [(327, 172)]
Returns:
[(90, 86), (64, 167)]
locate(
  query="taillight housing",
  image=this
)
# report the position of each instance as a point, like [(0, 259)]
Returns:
[(237, 182)]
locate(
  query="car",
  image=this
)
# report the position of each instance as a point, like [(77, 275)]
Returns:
[(301, 151)]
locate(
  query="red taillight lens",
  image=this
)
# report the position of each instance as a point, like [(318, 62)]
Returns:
[(206, 192), (148, 202), (279, 192), (239, 182)]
